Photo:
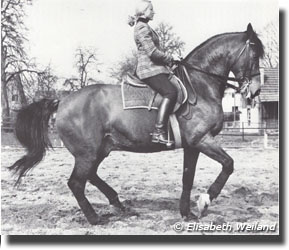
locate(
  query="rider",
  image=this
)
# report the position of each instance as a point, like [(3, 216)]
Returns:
[(151, 66)]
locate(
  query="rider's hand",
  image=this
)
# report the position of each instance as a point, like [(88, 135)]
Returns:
[(176, 59)]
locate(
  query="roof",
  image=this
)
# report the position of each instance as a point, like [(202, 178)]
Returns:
[(270, 89)]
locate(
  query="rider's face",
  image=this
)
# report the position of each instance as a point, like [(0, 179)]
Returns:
[(149, 13)]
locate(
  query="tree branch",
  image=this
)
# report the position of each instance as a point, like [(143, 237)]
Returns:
[(21, 71)]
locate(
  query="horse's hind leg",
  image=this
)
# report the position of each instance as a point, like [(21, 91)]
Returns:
[(77, 182), (95, 180), (209, 147), (107, 190)]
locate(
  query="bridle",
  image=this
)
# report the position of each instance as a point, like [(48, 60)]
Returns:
[(244, 81)]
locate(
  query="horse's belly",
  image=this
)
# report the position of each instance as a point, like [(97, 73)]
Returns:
[(132, 129)]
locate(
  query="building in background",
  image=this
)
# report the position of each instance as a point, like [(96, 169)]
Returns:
[(264, 111), (269, 97)]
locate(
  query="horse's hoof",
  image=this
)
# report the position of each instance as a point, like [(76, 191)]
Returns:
[(94, 220), (203, 204)]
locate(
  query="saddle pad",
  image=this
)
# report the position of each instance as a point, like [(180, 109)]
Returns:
[(134, 97)]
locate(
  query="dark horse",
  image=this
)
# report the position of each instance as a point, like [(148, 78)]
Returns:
[(91, 122)]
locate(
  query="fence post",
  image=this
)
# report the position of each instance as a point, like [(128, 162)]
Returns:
[(265, 139), (243, 136)]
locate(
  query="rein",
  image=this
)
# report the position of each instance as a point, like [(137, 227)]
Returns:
[(246, 79)]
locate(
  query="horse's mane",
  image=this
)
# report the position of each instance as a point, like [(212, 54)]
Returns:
[(204, 44), (254, 38)]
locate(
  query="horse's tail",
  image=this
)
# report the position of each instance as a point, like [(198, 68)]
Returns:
[(31, 130)]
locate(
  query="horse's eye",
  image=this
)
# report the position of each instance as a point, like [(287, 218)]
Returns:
[(255, 57)]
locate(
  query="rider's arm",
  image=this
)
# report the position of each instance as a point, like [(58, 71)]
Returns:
[(156, 55)]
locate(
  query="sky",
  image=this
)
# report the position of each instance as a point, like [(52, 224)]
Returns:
[(56, 28)]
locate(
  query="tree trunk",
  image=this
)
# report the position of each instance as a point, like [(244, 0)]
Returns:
[(4, 95), (4, 101), (22, 97)]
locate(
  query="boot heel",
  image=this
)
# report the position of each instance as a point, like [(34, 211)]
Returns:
[(170, 144)]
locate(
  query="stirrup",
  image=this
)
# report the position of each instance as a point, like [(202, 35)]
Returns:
[(156, 139)]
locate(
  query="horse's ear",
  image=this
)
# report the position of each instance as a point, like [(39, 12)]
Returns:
[(250, 30)]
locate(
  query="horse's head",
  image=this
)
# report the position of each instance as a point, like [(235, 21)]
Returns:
[(246, 64)]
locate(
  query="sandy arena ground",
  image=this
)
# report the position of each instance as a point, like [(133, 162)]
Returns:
[(149, 184)]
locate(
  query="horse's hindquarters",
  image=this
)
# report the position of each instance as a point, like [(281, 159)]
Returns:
[(82, 119)]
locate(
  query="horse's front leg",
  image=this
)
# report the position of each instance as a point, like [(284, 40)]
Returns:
[(190, 161), (209, 147)]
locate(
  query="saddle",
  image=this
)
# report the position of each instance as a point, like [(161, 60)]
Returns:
[(138, 95)]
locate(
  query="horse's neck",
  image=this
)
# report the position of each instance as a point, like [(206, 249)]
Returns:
[(214, 56)]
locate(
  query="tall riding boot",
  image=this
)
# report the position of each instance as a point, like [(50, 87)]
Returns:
[(160, 134)]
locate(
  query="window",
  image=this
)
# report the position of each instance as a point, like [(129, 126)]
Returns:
[(235, 109), (15, 98)]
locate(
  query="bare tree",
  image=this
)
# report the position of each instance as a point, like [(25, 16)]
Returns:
[(47, 80), (169, 42), (16, 68), (270, 38), (86, 63), (126, 65), (72, 83), (46, 84)]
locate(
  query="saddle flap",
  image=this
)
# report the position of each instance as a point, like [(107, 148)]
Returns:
[(182, 91), (184, 77)]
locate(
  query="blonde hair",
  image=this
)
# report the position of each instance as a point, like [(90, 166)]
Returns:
[(140, 9)]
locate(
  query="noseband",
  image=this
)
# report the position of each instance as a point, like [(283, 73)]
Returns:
[(244, 81)]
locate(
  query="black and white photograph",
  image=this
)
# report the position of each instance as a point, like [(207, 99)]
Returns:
[(140, 117)]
